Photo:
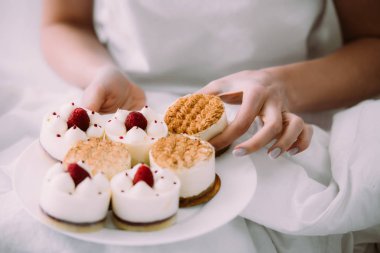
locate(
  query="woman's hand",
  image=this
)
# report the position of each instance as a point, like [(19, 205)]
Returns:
[(110, 90), (260, 94)]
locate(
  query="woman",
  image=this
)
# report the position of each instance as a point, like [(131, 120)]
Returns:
[(277, 59)]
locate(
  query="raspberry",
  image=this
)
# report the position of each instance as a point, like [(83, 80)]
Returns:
[(77, 173), (79, 118), (143, 173), (135, 119)]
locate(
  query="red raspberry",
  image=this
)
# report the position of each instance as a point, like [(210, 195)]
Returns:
[(135, 119), (79, 118), (77, 173), (143, 173)]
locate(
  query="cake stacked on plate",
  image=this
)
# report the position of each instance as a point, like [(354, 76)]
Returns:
[(96, 153)]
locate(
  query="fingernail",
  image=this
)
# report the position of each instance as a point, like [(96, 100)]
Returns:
[(293, 151), (271, 143), (239, 152), (274, 153)]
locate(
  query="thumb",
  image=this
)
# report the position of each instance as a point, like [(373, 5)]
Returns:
[(93, 97), (233, 97), (212, 88)]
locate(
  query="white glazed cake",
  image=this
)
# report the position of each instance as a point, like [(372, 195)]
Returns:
[(192, 160), (198, 115), (138, 130), (144, 199), (74, 200), (64, 127)]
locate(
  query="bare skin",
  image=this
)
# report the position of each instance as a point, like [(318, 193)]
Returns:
[(340, 79)]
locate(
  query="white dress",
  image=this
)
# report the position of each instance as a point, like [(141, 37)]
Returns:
[(178, 45)]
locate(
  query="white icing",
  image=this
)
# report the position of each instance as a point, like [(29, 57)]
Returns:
[(161, 179), (121, 181), (194, 180), (63, 182), (136, 135), (95, 131), (150, 114), (73, 135), (88, 202), (57, 139), (121, 114), (86, 189), (66, 109), (115, 127), (101, 182), (95, 118), (54, 170), (157, 129), (137, 140), (140, 202), (57, 125), (141, 189)]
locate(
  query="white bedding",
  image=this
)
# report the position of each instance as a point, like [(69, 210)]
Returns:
[(333, 188)]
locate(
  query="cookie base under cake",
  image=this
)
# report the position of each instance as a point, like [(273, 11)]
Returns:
[(142, 226), (204, 196), (84, 227)]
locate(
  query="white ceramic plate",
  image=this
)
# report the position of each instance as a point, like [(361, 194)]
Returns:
[(238, 178)]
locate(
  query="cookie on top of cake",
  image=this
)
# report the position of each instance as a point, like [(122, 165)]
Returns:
[(193, 161), (198, 115)]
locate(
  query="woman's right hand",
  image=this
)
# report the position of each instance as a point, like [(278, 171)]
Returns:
[(110, 90)]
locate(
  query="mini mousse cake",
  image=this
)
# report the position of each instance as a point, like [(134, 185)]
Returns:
[(144, 200), (193, 161), (138, 130), (74, 200), (199, 115), (104, 156), (63, 128)]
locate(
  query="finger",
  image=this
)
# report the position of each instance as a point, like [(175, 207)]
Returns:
[(136, 100), (93, 97), (292, 128), (303, 141), (232, 97), (250, 107), (272, 119), (213, 88), (138, 105)]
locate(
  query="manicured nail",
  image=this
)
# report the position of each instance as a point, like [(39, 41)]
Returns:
[(293, 151), (275, 153), (239, 152), (271, 143)]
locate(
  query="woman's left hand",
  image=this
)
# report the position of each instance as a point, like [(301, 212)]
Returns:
[(261, 94)]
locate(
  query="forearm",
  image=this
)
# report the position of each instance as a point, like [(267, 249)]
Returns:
[(340, 79), (74, 52)]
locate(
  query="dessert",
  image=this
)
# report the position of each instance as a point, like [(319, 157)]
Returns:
[(63, 128), (193, 161), (74, 200), (199, 115), (101, 155), (144, 199), (138, 130)]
